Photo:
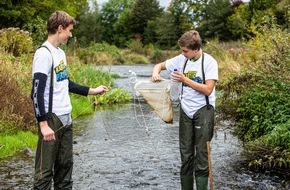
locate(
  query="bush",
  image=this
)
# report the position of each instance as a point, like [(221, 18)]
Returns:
[(16, 110), (15, 41), (260, 94), (135, 46), (100, 54)]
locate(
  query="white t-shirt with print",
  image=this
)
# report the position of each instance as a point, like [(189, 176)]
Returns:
[(42, 63), (192, 100)]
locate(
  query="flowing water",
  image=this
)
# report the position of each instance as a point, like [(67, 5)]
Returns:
[(130, 147)]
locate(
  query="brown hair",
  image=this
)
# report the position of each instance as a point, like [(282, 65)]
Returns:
[(59, 18), (190, 40)]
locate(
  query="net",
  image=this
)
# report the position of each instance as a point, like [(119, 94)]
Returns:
[(157, 96)]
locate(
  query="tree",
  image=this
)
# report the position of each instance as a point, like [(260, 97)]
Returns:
[(122, 29), (110, 13), (31, 15), (273, 8), (167, 32), (214, 23), (239, 22), (142, 12), (283, 13), (88, 28), (14, 13), (182, 15)]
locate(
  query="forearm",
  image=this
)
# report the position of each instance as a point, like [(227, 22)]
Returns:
[(37, 95), (78, 89), (156, 71), (205, 89)]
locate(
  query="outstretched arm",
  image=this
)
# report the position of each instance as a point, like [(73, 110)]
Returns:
[(99, 90), (84, 90)]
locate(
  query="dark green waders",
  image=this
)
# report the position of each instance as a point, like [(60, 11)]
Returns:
[(54, 160), (193, 137)]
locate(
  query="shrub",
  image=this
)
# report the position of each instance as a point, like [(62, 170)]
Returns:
[(100, 54), (260, 93), (16, 110), (135, 46), (15, 41)]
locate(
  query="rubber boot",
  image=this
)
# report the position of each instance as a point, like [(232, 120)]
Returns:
[(202, 183), (186, 182)]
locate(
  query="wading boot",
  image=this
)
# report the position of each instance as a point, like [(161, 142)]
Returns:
[(186, 182), (201, 183)]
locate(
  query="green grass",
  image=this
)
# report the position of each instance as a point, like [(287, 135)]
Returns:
[(81, 105), (12, 144)]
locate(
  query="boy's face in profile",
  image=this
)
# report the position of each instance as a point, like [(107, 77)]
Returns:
[(188, 53), (65, 33)]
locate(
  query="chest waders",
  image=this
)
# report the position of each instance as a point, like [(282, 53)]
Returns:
[(54, 159), (194, 134)]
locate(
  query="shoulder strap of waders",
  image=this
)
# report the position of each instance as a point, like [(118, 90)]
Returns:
[(203, 76), (183, 73), (51, 82)]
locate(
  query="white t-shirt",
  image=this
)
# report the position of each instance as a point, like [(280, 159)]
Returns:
[(192, 100), (42, 63)]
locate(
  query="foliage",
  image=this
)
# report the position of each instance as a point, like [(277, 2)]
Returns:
[(15, 104), (37, 29), (158, 56), (10, 144), (18, 13), (90, 76), (119, 21), (215, 24), (238, 23), (135, 46), (15, 41), (114, 20), (168, 35), (271, 150), (142, 12), (260, 95), (283, 13), (122, 29), (186, 14), (134, 58), (114, 96), (100, 53), (88, 28), (260, 108)]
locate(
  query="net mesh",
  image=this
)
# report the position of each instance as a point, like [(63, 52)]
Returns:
[(157, 96)]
